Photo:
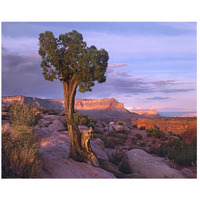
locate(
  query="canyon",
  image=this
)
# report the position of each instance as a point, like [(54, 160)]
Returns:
[(107, 110), (98, 109), (121, 147)]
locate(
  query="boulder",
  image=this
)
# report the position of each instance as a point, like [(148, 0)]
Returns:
[(109, 152), (57, 125), (54, 151), (68, 168), (44, 123), (52, 117), (137, 161), (126, 128), (111, 123), (188, 173), (98, 147), (110, 128), (118, 127)]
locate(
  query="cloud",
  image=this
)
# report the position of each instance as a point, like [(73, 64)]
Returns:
[(117, 65), (20, 45), (168, 82), (22, 75), (157, 98)]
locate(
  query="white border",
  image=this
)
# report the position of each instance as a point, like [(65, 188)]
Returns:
[(104, 10)]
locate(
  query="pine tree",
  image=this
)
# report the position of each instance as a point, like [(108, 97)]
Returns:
[(77, 66)]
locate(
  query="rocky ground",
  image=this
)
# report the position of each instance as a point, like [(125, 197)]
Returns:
[(124, 152)]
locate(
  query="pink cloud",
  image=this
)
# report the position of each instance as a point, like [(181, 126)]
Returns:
[(117, 65)]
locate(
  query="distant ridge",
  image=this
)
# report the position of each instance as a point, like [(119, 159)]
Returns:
[(100, 109), (147, 113)]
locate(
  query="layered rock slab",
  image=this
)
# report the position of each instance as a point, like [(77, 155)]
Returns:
[(54, 151), (143, 165)]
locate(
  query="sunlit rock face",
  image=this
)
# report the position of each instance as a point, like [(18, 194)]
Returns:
[(186, 127), (149, 113)]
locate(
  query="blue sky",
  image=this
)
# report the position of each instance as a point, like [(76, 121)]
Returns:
[(151, 65)]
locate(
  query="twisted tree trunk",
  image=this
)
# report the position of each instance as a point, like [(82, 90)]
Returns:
[(77, 152)]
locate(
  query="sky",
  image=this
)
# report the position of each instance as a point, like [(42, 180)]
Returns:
[(152, 65)]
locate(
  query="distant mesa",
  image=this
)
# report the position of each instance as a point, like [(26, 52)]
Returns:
[(147, 113), (98, 109), (189, 115)]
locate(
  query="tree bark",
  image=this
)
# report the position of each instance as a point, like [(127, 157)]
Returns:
[(77, 152)]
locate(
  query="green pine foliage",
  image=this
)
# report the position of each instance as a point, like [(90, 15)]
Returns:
[(83, 120), (69, 56)]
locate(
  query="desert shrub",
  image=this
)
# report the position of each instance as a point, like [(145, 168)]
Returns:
[(132, 146), (121, 123), (4, 109), (22, 114), (52, 112), (99, 131), (117, 157), (142, 127), (154, 142), (20, 145), (138, 136), (149, 134), (157, 133), (122, 136), (103, 124), (170, 132), (5, 117), (194, 142), (47, 111), (83, 120), (143, 144), (134, 126), (162, 150), (107, 143), (178, 151), (180, 137), (134, 139), (112, 133), (116, 140), (20, 157), (38, 116), (124, 132)]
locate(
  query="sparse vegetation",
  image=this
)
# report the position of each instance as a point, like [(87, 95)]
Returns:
[(179, 152), (4, 109), (103, 124), (112, 133), (157, 133), (20, 157), (142, 127), (83, 120), (134, 126), (143, 144), (22, 114), (125, 132), (117, 157), (107, 143), (121, 123), (134, 139), (138, 136), (46, 111)]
